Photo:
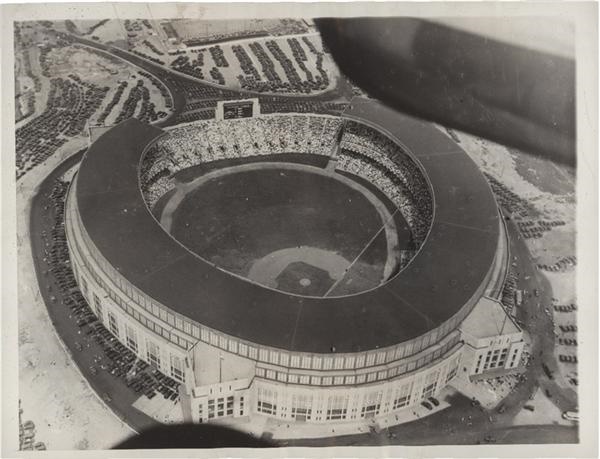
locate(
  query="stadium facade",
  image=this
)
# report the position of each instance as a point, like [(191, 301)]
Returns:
[(241, 350)]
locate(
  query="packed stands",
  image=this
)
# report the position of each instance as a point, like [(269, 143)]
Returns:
[(363, 152), (370, 155)]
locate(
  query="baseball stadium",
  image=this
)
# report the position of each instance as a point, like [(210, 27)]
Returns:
[(316, 268)]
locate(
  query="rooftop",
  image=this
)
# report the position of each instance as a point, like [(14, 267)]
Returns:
[(447, 273)]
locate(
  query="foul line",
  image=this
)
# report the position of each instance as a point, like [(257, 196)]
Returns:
[(383, 227)]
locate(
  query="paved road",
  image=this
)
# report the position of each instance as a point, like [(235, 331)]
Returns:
[(102, 383), (538, 323), (342, 91)]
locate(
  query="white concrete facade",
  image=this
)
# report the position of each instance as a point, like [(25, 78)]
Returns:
[(223, 376)]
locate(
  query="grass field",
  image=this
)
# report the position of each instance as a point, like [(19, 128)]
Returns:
[(299, 230)]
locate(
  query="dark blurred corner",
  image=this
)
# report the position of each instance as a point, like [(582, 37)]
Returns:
[(192, 436), (513, 94)]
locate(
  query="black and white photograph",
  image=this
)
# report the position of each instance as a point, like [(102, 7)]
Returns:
[(300, 226)]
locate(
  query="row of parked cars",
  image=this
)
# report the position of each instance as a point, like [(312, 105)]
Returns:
[(430, 403)]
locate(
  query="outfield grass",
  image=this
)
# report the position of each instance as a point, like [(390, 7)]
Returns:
[(239, 218)]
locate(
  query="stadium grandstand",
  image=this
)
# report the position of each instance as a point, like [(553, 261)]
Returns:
[(361, 344)]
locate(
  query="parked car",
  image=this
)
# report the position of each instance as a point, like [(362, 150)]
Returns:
[(571, 415), (435, 401)]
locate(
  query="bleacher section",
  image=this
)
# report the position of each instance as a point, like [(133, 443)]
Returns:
[(363, 152)]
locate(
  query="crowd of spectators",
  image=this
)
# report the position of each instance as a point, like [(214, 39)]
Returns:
[(373, 156), (208, 141), (71, 102), (363, 152)]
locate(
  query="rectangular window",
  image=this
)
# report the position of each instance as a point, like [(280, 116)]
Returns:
[(153, 353), (452, 372), (252, 352), (306, 362), (263, 355), (301, 407), (338, 363), (267, 401), (176, 368), (429, 390), (360, 361), (230, 405), (402, 396), (371, 405), (337, 407), (112, 324), (349, 362), (131, 338), (99, 311)]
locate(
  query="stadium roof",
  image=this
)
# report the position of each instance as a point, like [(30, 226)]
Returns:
[(446, 273)]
